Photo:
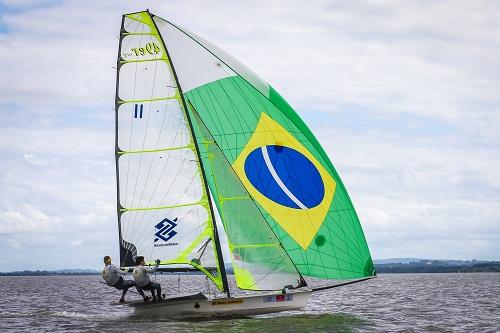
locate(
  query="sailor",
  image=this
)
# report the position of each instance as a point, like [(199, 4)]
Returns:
[(141, 277), (113, 277)]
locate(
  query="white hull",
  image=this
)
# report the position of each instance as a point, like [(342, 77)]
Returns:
[(201, 307)]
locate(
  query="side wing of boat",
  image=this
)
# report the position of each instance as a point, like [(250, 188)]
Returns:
[(198, 306)]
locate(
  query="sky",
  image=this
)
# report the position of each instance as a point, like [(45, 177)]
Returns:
[(403, 95)]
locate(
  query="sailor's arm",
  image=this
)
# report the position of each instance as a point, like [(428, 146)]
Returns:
[(118, 270), (152, 270)]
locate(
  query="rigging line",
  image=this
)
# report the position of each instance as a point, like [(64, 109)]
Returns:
[(342, 284), (349, 236), (243, 94), (321, 258), (167, 192), (186, 189), (125, 27), (274, 270), (144, 140), (235, 108), (144, 137), (144, 225), (243, 186), (354, 231), (166, 162), (153, 216), (200, 62), (220, 108), (164, 167), (218, 120)]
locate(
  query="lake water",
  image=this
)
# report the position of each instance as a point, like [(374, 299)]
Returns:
[(390, 303)]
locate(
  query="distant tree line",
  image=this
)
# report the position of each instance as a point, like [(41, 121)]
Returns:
[(439, 266), (422, 266)]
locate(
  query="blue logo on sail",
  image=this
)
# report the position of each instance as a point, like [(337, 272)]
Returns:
[(285, 176), (165, 230)]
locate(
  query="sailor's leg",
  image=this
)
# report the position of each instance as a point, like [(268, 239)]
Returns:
[(139, 290), (150, 287), (121, 286), (126, 284), (158, 291), (153, 294)]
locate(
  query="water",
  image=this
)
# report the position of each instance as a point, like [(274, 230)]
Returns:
[(391, 303)]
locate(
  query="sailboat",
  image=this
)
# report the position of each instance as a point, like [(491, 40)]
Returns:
[(210, 157)]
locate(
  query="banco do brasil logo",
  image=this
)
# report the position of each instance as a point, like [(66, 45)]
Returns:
[(165, 232)]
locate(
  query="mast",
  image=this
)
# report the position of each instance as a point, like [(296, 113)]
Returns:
[(117, 156), (218, 249)]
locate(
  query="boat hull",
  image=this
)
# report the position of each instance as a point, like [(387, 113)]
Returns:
[(198, 306)]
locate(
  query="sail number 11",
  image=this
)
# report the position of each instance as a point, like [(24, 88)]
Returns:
[(150, 48)]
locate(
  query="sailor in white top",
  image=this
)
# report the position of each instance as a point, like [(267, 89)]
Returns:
[(142, 280), (113, 277)]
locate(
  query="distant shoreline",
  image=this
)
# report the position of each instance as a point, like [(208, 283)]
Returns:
[(439, 266), (417, 266)]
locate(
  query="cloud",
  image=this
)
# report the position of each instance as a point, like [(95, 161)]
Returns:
[(27, 219), (403, 95)]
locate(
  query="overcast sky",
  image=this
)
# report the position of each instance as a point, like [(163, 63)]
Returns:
[(404, 96)]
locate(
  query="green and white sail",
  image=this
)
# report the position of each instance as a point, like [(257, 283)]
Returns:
[(194, 123), (163, 204)]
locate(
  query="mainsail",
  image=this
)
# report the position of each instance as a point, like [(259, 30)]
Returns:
[(200, 135), (163, 201)]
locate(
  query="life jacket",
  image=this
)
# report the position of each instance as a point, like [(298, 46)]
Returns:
[(110, 275), (141, 276)]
